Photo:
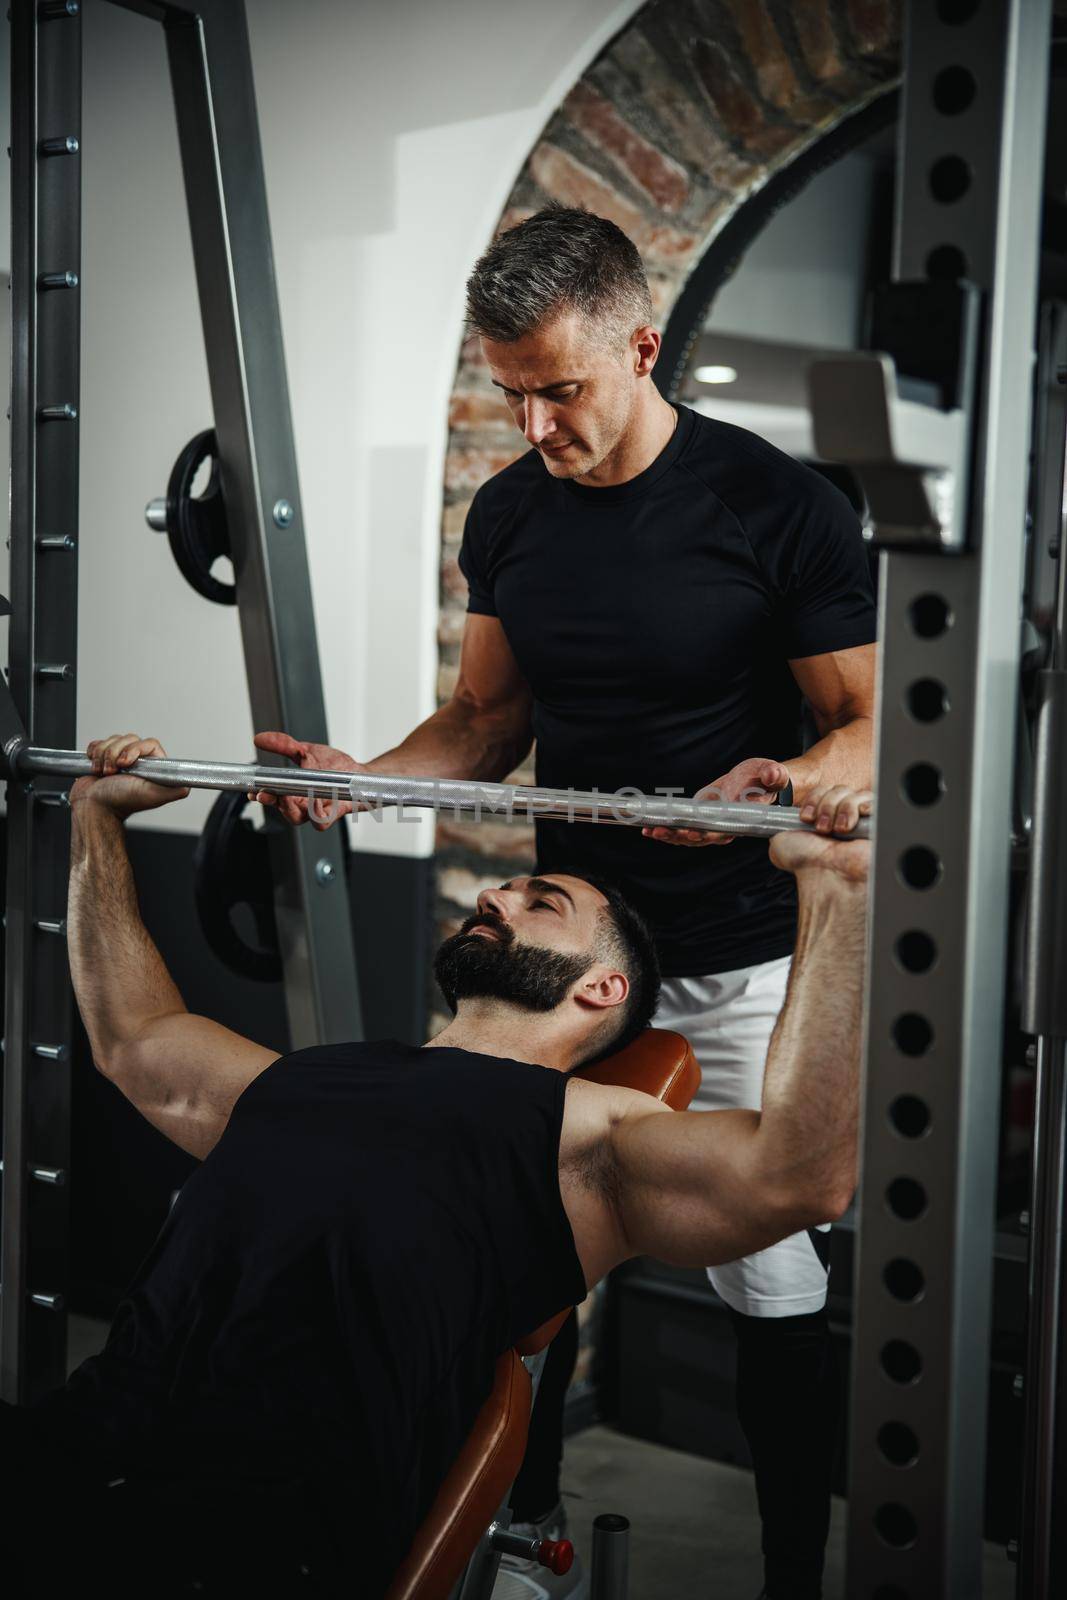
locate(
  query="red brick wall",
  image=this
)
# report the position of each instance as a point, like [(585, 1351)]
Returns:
[(687, 112)]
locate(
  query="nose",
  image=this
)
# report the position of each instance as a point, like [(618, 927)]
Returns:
[(540, 423), (493, 902)]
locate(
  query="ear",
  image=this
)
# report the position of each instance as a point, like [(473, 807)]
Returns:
[(645, 345), (601, 988)]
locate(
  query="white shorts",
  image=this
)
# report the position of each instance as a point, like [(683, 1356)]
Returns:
[(728, 1018)]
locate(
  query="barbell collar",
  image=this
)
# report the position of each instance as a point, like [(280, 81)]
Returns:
[(504, 801)]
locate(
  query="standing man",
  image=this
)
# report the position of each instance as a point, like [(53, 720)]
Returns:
[(650, 594)]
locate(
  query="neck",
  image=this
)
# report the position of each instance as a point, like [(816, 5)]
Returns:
[(650, 428), (490, 1029)]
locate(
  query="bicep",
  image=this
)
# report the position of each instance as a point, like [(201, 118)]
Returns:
[(184, 1073), (689, 1187), (838, 685)]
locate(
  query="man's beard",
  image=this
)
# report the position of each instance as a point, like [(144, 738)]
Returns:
[(471, 966)]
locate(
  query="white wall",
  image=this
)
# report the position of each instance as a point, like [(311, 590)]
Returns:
[(391, 136), (803, 278)]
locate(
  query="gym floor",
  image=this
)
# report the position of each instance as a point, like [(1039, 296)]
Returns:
[(694, 1530)]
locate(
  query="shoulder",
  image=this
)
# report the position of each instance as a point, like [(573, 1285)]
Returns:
[(513, 484), (593, 1113), (755, 480)]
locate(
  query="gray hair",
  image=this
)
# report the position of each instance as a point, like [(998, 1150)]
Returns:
[(561, 259)]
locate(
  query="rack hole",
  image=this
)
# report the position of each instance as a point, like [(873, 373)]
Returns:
[(923, 784), (912, 1034), (927, 700), (906, 1199), (901, 1361), (953, 11), (899, 1444), (946, 263), (896, 1525), (910, 1116), (950, 178), (919, 867), (954, 90), (904, 1280), (915, 951), (930, 615)]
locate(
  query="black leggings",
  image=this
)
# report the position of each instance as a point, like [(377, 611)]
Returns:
[(788, 1406)]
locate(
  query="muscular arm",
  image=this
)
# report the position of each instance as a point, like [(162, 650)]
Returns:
[(699, 1188), (484, 730), (182, 1072), (839, 687)]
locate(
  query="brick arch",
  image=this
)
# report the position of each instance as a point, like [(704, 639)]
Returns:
[(688, 112)]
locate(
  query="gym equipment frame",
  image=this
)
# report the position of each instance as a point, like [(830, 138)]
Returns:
[(951, 521), (211, 76)]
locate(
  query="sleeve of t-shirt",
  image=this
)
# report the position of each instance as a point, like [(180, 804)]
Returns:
[(474, 564), (825, 595)]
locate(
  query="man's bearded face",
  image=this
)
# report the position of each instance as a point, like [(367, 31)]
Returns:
[(494, 964)]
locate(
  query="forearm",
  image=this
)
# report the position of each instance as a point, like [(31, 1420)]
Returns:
[(807, 1136), (459, 741), (843, 756), (119, 978)]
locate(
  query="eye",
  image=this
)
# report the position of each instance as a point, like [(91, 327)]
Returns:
[(564, 394), (547, 904)]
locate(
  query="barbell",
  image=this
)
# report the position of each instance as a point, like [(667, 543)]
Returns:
[(465, 799)]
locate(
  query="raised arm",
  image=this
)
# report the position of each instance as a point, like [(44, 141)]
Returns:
[(700, 1188), (182, 1072)]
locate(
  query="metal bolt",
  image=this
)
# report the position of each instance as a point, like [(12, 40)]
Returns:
[(324, 870), (63, 413), (54, 669), (1017, 1386), (50, 1302), (58, 280), (1031, 1055), (283, 513), (67, 146), (58, 8), (53, 1175), (55, 541), (1024, 1222), (155, 514)]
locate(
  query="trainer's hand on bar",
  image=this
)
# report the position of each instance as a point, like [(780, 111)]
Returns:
[(112, 787), (757, 779), (320, 758), (835, 812)]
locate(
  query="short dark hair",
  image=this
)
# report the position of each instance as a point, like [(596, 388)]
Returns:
[(563, 258), (630, 943)]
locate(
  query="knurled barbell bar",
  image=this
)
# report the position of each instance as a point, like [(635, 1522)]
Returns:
[(505, 801)]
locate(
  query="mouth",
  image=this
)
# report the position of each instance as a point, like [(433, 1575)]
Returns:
[(482, 928), (556, 449)]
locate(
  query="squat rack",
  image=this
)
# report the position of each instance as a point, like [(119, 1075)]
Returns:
[(218, 132)]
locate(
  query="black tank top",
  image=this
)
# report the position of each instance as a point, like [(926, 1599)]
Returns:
[(333, 1285)]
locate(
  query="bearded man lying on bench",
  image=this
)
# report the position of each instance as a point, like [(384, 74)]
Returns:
[(303, 1351)]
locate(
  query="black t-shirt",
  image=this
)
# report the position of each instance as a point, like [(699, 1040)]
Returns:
[(654, 622), (331, 1290)]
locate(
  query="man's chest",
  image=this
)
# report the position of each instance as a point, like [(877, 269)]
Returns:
[(633, 600)]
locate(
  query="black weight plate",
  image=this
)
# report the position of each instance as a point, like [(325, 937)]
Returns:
[(231, 868), (196, 524)]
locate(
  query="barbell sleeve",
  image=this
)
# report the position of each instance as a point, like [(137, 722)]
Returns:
[(505, 801)]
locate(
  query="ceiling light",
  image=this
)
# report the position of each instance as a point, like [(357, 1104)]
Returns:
[(716, 374)]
